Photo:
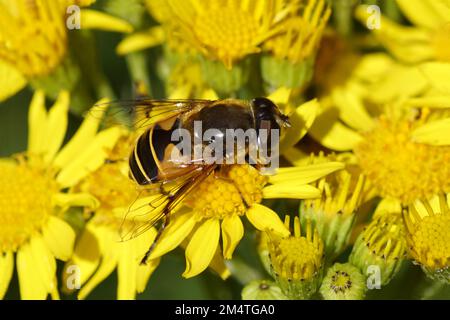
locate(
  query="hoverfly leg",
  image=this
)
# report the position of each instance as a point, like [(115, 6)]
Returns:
[(165, 223), (155, 241)]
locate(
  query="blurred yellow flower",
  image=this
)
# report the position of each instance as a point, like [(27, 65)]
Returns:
[(32, 197), (302, 32), (386, 136), (428, 39), (40, 23), (227, 31)]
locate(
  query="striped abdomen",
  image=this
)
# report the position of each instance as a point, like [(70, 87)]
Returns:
[(146, 160)]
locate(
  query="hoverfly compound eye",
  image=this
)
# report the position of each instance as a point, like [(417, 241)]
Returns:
[(265, 109), (263, 103)]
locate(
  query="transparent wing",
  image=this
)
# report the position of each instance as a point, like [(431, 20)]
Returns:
[(147, 211), (143, 112)]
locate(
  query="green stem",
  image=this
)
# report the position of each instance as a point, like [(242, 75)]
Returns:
[(391, 10), (343, 16), (138, 66)]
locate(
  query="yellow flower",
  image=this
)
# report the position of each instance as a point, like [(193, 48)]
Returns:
[(32, 197), (42, 23), (100, 250), (301, 33), (428, 225), (392, 139), (227, 31), (428, 39), (218, 204), (296, 259)]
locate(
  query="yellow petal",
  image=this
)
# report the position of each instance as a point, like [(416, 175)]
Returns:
[(306, 173), (232, 233), (144, 272), (201, 247), (408, 44), (59, 237), (209, 94), (301, 121), (76, 200), (142, 40), (331, 133), (109, 252), (179, 228), (351, 109), (426, 14), (438, 74), (57, 119), (37, 123), (87, 254), (401, 82), (435, 133), (36, 268), (265, 219), (126, 270), (84, 135), (388, 206), (89, 159), (129, 270), (91, 19), (289, 190), (6, 272), (296, 157), (434, 102), (181, 92), (280, 95), (11, 81), (218, 265)]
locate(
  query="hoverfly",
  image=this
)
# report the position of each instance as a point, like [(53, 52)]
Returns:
[(151, 162)]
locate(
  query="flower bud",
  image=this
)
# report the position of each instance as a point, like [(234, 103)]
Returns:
[(381, 245), (343, 282), (428, 237), (262, 290), (296, 261)]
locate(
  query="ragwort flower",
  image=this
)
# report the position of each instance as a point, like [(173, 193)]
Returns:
[(228, 31), (34, 41), (99, 251), (292, 52), (427, 40), (33, 197), (296, 259), (218, 204), (428, 225), (391, 140)]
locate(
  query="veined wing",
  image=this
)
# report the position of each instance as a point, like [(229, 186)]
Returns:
[(146, 212), (143, 112)]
